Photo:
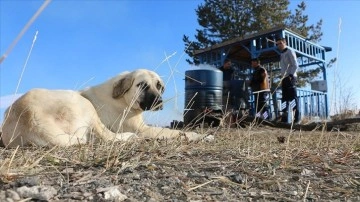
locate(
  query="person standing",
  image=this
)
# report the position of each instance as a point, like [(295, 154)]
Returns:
[(289, 66), (259, 84), (227, 70)]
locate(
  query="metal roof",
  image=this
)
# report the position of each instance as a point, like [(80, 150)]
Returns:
[(262, 45)]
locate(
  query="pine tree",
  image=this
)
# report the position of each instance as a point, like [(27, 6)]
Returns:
[(222, 20)]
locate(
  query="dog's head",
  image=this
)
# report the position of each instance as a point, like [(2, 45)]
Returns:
[(142, 89)]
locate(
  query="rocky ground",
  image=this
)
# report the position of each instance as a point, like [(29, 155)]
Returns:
[(256, 163)]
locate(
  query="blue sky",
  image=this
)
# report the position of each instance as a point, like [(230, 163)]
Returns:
[(82, 43)]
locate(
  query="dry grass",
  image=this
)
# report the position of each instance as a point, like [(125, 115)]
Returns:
[(269, 158)]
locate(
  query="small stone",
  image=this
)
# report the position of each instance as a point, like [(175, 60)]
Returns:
[(292, 193), (281, 139), (263, 193), (166, 188), (2, 196), (12, 194), (136, 177), (87, 194), (295, 178), (114, 194), (306, 172), (37, 192), (28, 181), (67, 171), (235, 177)]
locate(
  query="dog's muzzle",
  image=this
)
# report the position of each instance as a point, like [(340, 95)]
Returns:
[(151, 102)]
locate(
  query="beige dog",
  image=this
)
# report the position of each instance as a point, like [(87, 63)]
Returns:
[(111, 111)]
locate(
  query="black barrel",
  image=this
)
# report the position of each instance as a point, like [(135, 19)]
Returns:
[(203, 95)]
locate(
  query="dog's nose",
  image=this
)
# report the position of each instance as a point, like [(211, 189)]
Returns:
[(159, 102)]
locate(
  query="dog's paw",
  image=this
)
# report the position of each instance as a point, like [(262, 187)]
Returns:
[(192, 136), (209, 138), (125, 136)]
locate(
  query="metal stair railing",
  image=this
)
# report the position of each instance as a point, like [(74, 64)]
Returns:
[(305, 47), (311, 103)]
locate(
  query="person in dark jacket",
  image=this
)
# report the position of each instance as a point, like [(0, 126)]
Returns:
[(227, 70), (260, 87)]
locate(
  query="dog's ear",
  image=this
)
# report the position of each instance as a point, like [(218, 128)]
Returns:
[(122, 86)]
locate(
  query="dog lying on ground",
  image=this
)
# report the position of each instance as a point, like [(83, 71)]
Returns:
[(111, 111)]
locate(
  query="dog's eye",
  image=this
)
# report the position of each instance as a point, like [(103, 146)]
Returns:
[(160, 87), (143, 85)]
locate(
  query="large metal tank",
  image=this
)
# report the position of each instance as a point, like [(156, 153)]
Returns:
[(203, 96)]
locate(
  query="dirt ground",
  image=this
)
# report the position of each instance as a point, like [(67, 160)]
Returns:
[(255, 163)]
